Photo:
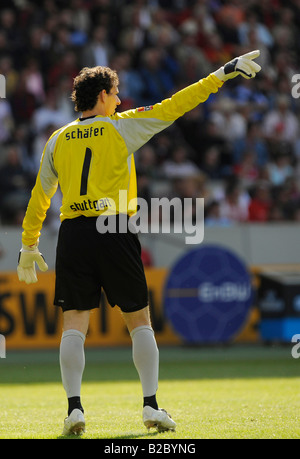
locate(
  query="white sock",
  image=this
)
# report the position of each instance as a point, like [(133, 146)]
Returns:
[(72, 361), (146, 358)]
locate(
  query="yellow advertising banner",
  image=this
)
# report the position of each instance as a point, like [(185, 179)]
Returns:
[(29, 320)]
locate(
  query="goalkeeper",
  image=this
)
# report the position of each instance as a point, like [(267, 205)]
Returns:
[(92, 160)]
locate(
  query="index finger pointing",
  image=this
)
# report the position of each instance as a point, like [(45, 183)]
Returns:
[(252, 54)]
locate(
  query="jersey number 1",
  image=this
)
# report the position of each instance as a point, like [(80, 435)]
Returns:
[(85, 171)]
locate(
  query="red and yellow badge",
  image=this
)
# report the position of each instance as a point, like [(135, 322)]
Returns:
[(145, 109)]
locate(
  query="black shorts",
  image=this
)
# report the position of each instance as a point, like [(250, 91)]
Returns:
[(87, 261)]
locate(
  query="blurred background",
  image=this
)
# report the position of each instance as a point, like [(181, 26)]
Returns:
[(240, 150)]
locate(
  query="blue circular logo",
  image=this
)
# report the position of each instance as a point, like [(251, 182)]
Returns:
[(207, 295)]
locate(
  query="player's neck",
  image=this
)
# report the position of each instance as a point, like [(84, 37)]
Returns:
[(98, 109), (94, 112)]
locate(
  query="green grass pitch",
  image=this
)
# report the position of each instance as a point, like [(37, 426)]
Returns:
[(235, 392)]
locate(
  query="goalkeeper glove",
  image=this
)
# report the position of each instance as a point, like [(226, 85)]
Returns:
[(242, 65), (28, 256)]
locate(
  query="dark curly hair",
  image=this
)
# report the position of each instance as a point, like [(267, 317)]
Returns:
[(89, 83)]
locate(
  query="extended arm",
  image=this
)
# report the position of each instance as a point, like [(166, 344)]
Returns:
[(139, 125), (44, 189)]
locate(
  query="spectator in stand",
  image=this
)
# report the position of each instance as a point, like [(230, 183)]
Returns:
[(98, 51), (34, 81), (234, 205), (11, 75), (65, 67), (161, 31), (8, 25), (251, 23), (246, 170), (4, 47), (192, 61), (48, 113), (158, 73), (280, 168), (135, 20), (23, 103), (229, 16), (41, 43), (15, 187), (6, 121), (211, 163), (215, 51), (146, 161), (80, 17), (231, 122), (212, 215), (281, 124), (284, 31), (191, 187), (64, 104), (285, 198), (260, 203), (252, 141), (179, 165)]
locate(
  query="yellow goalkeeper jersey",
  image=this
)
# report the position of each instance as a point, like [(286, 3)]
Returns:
[(92, 159)]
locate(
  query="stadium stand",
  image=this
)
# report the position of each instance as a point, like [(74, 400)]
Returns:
[(240, 150)]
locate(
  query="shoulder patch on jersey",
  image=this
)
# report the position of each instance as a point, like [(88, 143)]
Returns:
[(145, 109)]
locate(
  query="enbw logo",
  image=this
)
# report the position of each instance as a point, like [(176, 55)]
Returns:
[(208, 294), (2, 87)]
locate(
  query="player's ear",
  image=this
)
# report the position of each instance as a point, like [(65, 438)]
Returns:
[(102, 95)]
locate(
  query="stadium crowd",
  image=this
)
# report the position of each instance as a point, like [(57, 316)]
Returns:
[(240, 150)]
